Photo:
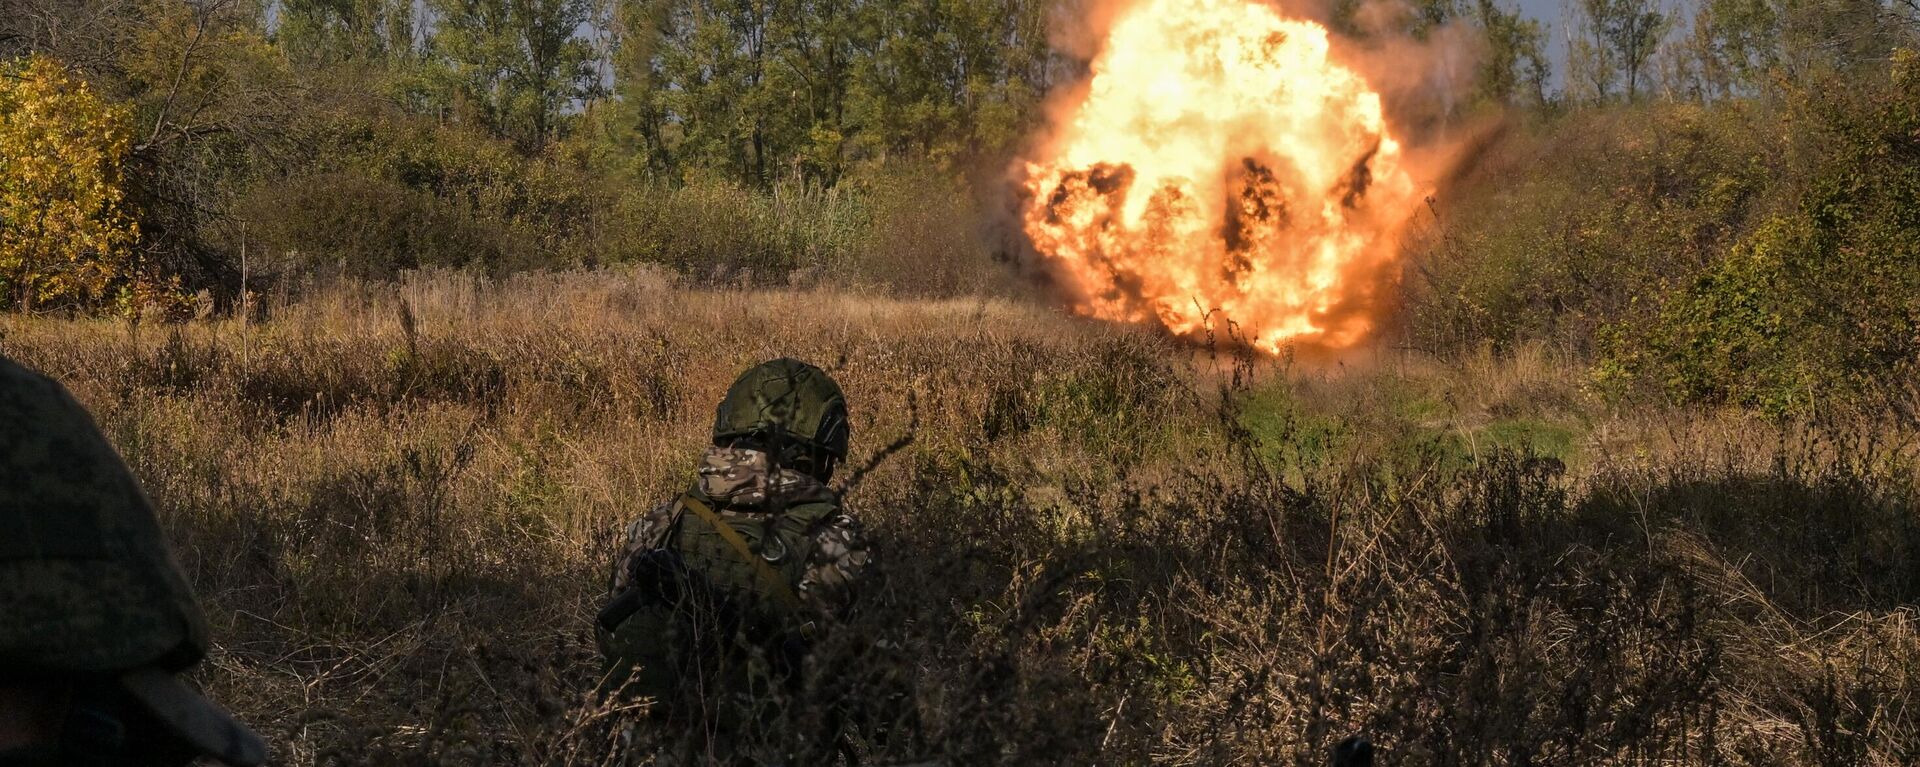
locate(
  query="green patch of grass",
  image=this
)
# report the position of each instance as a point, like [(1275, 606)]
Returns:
[(1532, 437), (1423, 409), (1424, 451), (1286, 435)]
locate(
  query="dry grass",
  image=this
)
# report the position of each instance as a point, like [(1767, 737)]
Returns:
[(399, 502)]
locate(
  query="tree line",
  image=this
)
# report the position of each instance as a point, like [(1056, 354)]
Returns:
[(366, 136)]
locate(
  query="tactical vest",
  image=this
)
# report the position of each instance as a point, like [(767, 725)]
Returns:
[(720, 597)]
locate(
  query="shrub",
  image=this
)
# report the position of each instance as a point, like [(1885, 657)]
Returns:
[(65, 235), (1558, 228), (924, 234), (369, 227), (719, 231), (1818, 303), (384, 196)]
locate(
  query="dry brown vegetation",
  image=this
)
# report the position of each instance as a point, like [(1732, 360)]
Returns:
[(399, 503)]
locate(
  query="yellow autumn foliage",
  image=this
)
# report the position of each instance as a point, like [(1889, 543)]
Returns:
[(66, 238)]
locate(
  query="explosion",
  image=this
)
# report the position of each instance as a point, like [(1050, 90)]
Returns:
[(1220, 166)]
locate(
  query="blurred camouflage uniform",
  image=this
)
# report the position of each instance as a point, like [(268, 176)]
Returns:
[(734, 579), (96, 618), (740, 482)]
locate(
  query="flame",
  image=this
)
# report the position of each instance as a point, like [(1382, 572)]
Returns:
[(1220, 166)]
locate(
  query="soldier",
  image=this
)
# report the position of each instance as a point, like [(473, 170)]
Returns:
[(724, 587), (96, 619)]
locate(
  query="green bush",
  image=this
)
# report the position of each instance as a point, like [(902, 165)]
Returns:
[(384, 196), (1818, 303), (1558, 227), (371, 227)]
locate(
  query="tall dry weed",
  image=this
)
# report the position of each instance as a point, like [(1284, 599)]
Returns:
[(1099, 547)]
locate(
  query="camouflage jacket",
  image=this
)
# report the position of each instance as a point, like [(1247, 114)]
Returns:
[(740, 482)]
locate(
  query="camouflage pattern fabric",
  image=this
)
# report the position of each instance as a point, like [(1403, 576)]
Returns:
[(90, 595), (743, 487), (743, 478), (86, 581)]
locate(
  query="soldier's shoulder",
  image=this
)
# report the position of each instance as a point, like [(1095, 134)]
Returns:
[(666, 509), (826, 512), (838, 533), (647, 530)]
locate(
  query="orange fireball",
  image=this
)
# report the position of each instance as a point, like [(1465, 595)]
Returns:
[(1222, 166)]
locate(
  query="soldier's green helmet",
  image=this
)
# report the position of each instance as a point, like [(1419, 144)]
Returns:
[(88, 588), (782, 401)]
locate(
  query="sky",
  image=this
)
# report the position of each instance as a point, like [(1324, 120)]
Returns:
[(1549, 12)]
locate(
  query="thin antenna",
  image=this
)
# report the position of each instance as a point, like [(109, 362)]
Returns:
[(913, 427), (246, 299)]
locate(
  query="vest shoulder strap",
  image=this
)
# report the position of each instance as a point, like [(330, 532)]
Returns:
[(776, 585)]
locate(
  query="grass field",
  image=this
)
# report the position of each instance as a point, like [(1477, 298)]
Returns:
[(1097, 546)]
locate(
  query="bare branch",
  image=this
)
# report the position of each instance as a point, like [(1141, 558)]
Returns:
[(200, 16)]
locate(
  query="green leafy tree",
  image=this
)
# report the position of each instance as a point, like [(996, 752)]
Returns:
[(1428, 15), (720, 86), (325, 32), (762, 91), (820, 44), (949, 80), (633, 124), (515, 66), (1736, 42), (1819, 302), (1615, 41), (1515, 67), (214, 102)]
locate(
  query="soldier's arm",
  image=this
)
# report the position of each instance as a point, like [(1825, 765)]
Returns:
[(645, 534), (840, 557)]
